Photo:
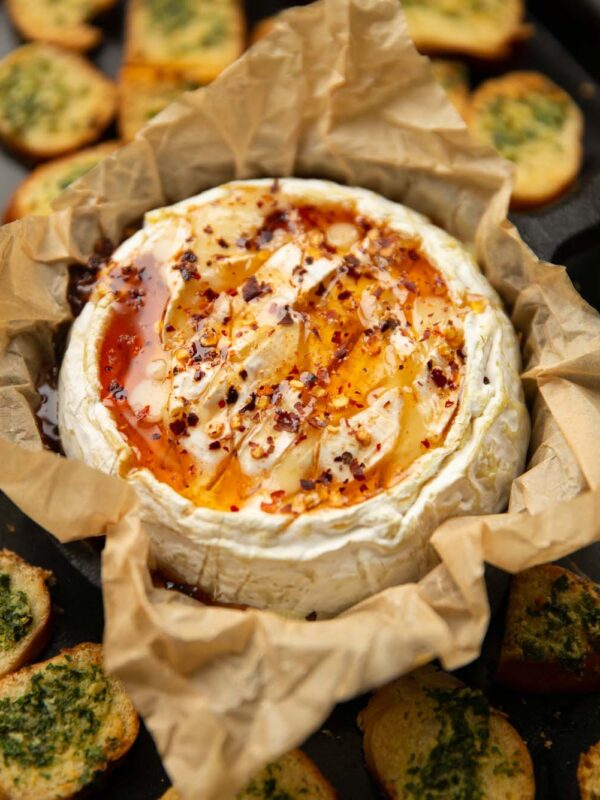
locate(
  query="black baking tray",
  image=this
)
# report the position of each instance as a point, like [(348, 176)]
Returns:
[(556, 728)]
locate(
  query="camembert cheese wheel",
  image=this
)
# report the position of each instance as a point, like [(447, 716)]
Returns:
[(301, 380)]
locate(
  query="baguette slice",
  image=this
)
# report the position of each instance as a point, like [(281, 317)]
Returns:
[(60, 22), (199, 37), (552, 634), (485, 29), (62, 722), (454, 78), (293, 776), (52, 101), (144, 92), (427, 735), (534, 123), (25, 611), (38, 191), (588, 773)]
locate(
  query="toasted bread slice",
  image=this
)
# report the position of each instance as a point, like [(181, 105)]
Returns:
[(454, 77), (52, 101), (60, 22), (63, 722), (552, 634), (197, 37), (588, 773), (144, 92), (293, 776), (428, 735), (25, 611), (485, 29), (531, 121), (37, 192)]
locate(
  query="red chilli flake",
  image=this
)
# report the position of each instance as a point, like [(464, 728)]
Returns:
[(232, 395), (117, 391), (287, 421), (178, 427), (357, 469), (426, 444), (438, 377), (233, 508), (214, 446), (252, 288), (287, 318)]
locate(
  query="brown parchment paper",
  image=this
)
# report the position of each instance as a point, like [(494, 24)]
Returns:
[(336, 91)]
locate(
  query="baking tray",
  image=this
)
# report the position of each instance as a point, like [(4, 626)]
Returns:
[(556, 728)]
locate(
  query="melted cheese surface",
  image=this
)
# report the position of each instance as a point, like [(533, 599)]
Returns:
[(273, 353)]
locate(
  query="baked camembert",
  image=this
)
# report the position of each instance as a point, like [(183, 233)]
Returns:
[(301, 380)]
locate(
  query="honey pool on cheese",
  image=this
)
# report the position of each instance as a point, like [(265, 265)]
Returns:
[(277, 365)]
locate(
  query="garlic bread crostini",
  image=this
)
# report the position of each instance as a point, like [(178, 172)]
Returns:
[(552, 633), (144, 91), (532, 122), (60, 22), (197, 36), (62, 723), (454, 77), (25, 611), (52, 101), (484, 29), (293, 776), (428, 735), (46, 182)]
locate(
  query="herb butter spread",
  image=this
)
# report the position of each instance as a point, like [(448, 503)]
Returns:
[(452, 769), (62, 708), (429, 737), (198, 37), (294, 374), (16, 617), (563, 626), (532, 122), (61, 723)]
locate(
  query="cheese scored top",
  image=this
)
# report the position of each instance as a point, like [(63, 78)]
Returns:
[(270, 352)]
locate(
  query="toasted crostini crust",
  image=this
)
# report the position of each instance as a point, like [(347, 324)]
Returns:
[(550, 638), (37, 192), (31, 581), (534, 123), (58, 769), (61, 23), (426, 734), (52, 101)]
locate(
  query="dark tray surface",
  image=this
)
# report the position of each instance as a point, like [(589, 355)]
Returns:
[(556, 728)]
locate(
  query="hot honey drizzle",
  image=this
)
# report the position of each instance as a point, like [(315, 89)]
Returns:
[(380, 323)]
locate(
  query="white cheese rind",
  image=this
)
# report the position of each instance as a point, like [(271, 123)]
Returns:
[(327, 559)]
